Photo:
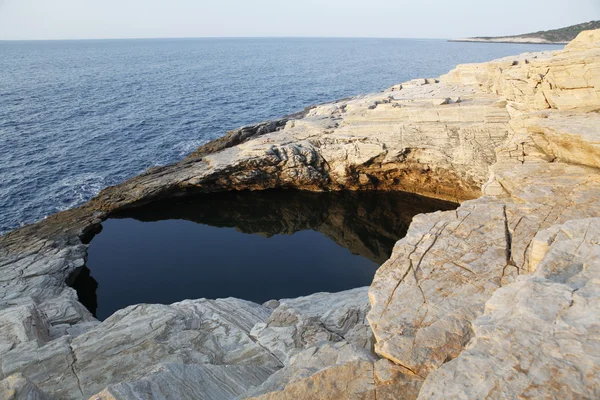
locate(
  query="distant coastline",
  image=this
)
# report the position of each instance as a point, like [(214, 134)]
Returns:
[(559, 36), (507, 40)]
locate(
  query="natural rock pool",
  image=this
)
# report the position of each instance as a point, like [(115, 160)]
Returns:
[(251, 245)]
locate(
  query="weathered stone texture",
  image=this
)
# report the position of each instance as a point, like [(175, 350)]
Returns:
[(567, 80), (17, 387), (429, 299), (538, 337)]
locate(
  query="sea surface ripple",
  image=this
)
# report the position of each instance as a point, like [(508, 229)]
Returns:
[(78, 116)]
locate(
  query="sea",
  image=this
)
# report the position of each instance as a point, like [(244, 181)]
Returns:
[(78, 116)]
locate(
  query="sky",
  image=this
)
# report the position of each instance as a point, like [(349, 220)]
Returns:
[(100, 19)]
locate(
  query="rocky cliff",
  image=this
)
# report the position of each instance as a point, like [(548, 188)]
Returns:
[(497, 299)]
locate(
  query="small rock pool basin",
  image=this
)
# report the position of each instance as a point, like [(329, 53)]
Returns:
[(256, 246)]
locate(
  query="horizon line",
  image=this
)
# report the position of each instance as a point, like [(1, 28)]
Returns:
[(262, 37), (218, 37)]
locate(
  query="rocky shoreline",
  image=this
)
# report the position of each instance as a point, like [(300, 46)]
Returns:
[(498, 299)]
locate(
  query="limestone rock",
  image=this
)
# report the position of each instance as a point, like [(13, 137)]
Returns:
[(353, 380), (567, 137), (17, 387), (357, 379), (565, 80), (413, 140), (303, 322), (539, 336), (393, 382), (309, 362), (131, 342), (441, 275), (49, 367), (22, 325), (450, 264), (437, 281), (188, 382)]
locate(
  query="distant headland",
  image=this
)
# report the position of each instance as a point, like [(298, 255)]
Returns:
[(555, 36)]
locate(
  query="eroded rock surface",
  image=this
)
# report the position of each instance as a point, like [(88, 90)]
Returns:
[(497, 299), (538, 337), (129, 344), (189, 382), (306, 321), (429, 299), (339, 372), (17, 387)]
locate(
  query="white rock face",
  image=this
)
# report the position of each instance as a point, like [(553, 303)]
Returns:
[(539, 335), (153, 350), (429, 299), (429, 138), (303, 322), (129, 344), (311, 361), (189, 382), (338, 371), (440, 275), (567, 80)]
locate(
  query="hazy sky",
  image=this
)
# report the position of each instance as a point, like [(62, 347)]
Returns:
[(76, 19)]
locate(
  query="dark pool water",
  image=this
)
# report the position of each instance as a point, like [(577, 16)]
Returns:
[(251, 245)]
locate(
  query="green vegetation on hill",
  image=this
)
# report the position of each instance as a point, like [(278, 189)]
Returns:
[(556, 35)]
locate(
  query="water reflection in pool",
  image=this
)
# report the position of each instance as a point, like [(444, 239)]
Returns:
[(252, 245)]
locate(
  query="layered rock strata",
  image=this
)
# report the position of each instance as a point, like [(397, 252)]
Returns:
[(498, 299), (429, 299)]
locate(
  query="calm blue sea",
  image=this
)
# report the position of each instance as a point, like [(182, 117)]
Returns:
[(77, 116)]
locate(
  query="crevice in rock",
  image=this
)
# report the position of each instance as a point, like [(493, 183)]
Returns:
[(412, 371), (336, 336), (391, 296), (255, 340), (73, 368), (374, 382), (508, 237), (508, 247)]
